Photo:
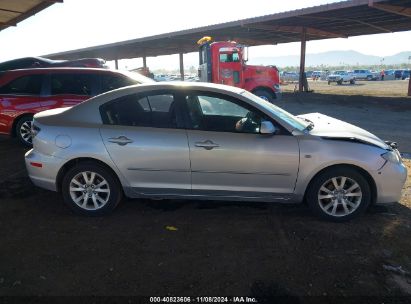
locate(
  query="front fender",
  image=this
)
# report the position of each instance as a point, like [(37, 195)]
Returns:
[(318, 154)]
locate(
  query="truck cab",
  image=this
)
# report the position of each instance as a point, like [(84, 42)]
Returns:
[(225, 63)]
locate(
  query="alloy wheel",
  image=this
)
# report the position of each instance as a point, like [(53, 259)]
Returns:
[(25, 132), (340, 196), (89, 190)]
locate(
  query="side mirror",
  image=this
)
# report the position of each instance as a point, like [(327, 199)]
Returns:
[(267, 127)]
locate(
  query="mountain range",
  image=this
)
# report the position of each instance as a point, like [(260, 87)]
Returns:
[(333, 58)]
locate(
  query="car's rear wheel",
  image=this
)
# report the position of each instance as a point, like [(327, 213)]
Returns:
[(90, 189), (352, 81), (23, 131), (339, 194)]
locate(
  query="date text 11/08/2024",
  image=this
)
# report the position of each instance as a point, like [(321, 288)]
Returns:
[(203, 300)]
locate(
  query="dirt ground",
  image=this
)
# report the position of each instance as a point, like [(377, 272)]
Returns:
[(219, 248), (389, 88)]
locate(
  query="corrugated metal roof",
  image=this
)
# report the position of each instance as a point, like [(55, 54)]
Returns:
[(341, 19), (14, 11)]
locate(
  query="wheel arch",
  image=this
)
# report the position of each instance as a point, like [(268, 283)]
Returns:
[(367, 176), (81, 160)]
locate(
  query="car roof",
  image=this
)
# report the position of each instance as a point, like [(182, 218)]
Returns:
[(58, 69)]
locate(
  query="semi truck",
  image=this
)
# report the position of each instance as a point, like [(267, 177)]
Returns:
[(225, 62)]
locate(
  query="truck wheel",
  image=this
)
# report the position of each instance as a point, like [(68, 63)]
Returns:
[(23, 131), (264, 94)]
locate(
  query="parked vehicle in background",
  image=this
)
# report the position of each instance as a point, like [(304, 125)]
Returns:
[(316, 75), (161, 77), (191, 78), (405, 74), (364, 75), (389, 72), (208, 141), (309, 74), (29, 91), (340, 76), (289, 76), (225, 62), (398, 74), (41, 62)]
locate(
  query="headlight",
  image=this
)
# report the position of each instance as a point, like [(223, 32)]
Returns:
[(391, 156)]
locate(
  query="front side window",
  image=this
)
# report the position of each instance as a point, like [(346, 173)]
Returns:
[(26, 85), (157, 111), (71, 84), (221, 114)]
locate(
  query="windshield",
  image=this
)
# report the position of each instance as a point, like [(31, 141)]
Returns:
[(289, 118)]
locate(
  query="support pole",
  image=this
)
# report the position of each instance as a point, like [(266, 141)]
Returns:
[(409, 87), (302, 59), (181, 66), (116, 63), (144, 61)]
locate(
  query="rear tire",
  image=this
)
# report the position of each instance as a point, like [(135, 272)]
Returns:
[(23, 131), (352, 81), (90, 189), (264, 94), (339, 194)]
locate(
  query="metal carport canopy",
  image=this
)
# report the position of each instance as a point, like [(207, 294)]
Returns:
[(15, 11), (341, 19)]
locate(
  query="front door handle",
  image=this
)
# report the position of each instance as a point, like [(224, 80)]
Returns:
[(120, 140), (208, 144)]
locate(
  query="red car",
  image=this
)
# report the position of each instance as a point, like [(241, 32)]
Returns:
[(26, 92)]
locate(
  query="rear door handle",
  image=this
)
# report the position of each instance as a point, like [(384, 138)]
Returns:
[(208, 144), (120, 140)]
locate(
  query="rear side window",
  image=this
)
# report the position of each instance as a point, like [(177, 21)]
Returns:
[(73, 84), (112, 82), (26, 85), (157, 111)]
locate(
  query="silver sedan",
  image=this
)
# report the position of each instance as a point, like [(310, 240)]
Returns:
[(207, 141)]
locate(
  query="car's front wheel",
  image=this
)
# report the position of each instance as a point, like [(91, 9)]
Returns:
[(339, 194), (91, 189)]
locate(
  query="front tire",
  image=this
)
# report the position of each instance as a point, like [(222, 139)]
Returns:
[(339, 194), (91, 189), (264, 94), (23, 131)]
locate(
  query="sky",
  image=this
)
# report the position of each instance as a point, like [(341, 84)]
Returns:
[(81, 23)]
